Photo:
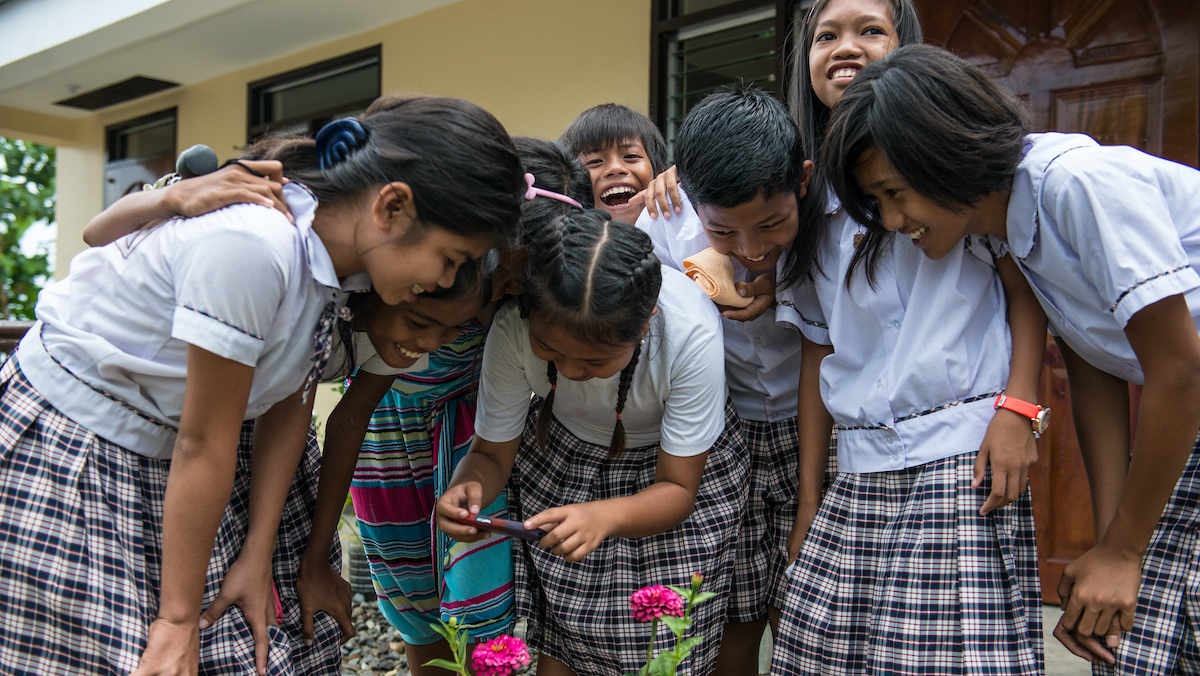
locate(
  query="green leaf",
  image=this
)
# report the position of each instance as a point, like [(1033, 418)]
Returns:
[(701, 597), (677, 625), (688, 643), (663, 664), (444, 664)]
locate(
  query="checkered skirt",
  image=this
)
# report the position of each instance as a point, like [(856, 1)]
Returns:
[(1165, 638), (81, 552), (578, 613), (899, 574), (761, 559)]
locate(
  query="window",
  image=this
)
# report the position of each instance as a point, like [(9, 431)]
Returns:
[(699, 46), (303, 100), (138, 152)]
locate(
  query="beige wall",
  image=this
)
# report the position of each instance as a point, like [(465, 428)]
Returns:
[(534, 63)]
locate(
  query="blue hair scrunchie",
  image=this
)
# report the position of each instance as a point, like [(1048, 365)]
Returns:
[(337, 140)]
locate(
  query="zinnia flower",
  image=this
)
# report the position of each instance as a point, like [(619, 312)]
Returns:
[(651, 603), (499, 656)]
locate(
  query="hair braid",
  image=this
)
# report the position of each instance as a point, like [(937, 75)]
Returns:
[(617, 445), (542, 430)]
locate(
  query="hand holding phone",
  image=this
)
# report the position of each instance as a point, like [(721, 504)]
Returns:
[(495, 524)]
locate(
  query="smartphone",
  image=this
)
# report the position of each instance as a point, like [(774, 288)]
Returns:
[(504, 527)]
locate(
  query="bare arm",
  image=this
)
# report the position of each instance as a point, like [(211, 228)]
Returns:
[(476, 482), (814, 425), (319, 585), (1008, 445), (191, 197), (1101, 587), (198, 487)]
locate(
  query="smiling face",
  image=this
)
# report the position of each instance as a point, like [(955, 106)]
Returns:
[(400, 270), (755, 232), (849, 35), (619, 172), (576, 359), (936, 231), (402, 333)]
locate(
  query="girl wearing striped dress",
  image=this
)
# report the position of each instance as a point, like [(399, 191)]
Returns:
[(122, 410), (630, 456)]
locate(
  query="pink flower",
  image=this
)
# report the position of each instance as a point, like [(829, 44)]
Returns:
[(651, 603), (499, 656)]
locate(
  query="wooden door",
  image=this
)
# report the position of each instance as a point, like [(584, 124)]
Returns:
[(1127, 72)]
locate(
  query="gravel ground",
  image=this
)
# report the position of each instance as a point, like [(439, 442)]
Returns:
[(377, 650)]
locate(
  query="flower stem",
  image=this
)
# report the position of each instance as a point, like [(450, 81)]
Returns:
[(653, 635)]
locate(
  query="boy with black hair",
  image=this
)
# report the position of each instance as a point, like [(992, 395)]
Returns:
[(622, 151), (744, 180)]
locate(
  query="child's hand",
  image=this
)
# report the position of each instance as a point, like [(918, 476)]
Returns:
[(234, 184), (320, 588), (1008, 446), (172, 649), (460, 501), (1090, 647), (573, 530), (762, 290), (247, 585), (1100, 593), (804, 519), (661, 195)]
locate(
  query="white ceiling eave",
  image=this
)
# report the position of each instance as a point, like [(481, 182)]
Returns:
[(51, 50)]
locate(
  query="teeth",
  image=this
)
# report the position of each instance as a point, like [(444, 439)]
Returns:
[(755, 260), (408, 353), (617, 190), (417, 289), (845, 72), (918, 234)]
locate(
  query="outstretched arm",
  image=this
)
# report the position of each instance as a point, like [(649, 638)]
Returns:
[(234, 184), (813, 429), (319, 586), (198, 487), (1101, 587), (1008, 445)]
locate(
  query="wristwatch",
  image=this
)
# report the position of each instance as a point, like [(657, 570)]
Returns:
[(1038, 415)]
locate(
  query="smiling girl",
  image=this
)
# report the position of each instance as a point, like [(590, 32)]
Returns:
[(631, 458)]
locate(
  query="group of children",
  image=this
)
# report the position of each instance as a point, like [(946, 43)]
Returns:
[(855, 476)]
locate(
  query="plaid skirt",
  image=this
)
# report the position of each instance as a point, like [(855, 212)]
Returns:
[(81, 552), (899, 574), (761, 559), (1165, 638), (578, 613)]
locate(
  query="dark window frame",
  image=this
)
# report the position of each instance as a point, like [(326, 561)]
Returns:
[(113, 131), (254, 101), (665, 23)]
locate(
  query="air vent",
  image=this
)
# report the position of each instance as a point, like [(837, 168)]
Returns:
[(120, 92)]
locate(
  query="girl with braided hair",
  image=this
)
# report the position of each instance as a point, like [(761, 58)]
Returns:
[(628, 455)]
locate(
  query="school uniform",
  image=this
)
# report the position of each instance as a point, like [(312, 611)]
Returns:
[(579, 612), (417, 435), (1101, 232), (90, 408), (762, 365), (899, 574)]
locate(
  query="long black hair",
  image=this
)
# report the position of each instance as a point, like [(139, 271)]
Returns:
[(952, 134), (597, 279)]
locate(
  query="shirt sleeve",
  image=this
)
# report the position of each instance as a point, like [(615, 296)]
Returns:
[(694, 412), (229, 285), (504, 390), (1114, 214)]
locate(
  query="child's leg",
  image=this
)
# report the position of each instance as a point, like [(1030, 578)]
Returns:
[(760, 561), (959, 593), (548, 666), (1166, 633)]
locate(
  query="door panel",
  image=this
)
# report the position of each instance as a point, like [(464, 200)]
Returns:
[(1123, 71)]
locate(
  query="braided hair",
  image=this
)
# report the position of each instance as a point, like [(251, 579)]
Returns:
[(599, 279)]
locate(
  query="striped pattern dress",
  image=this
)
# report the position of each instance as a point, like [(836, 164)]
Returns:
[(417, 435)]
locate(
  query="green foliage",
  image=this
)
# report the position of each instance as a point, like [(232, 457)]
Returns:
[(27, 196), (666, 663)]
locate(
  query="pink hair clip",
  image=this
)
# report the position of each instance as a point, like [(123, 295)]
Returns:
[(534, 192)]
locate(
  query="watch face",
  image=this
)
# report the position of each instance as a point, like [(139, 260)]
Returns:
[(1042, 422)]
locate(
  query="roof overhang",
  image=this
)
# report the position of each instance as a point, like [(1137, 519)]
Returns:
[(53, 50)]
